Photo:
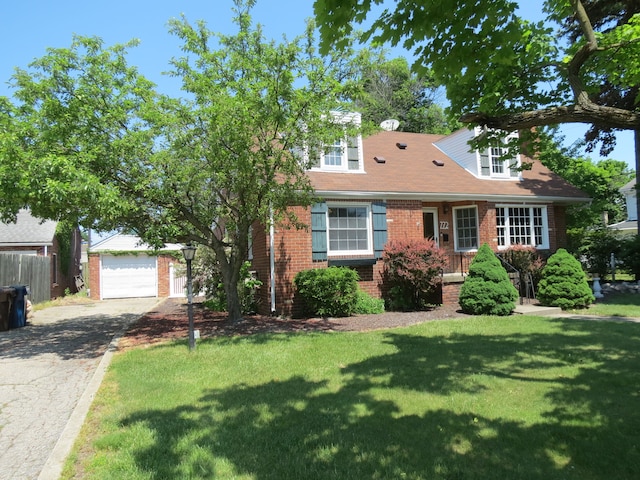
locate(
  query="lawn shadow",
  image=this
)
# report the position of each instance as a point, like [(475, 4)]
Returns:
[(298, 428)]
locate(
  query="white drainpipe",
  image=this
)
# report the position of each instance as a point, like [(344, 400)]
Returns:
[(272, 263)]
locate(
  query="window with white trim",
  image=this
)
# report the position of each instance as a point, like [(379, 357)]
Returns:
[(342, 155), (349, 229), (494, 165), (466, 228), (522, 225)]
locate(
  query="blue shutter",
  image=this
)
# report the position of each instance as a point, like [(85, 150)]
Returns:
[(319, 231), (379, 211)]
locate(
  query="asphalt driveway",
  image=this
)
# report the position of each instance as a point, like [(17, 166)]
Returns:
[(49, 371)]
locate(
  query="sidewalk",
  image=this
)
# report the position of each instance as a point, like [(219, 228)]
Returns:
[(49, 372)]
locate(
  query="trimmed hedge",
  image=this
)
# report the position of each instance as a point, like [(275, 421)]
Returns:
[(487, 290), (328, 292), (564, 283)]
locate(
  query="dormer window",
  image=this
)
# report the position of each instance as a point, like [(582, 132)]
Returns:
[(343, 155), (495, 163)]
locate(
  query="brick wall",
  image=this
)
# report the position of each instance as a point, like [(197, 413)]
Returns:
[(404, 221), (163, 262), (94, 276)]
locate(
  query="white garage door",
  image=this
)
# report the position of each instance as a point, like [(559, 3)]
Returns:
[(128, 276)]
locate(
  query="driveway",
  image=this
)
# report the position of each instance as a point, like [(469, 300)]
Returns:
[(49, 371)]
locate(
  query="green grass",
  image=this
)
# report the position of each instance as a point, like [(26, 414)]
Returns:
[(481, 398), (615, 305)]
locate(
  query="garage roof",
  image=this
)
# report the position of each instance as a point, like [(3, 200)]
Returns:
[(128, 243)]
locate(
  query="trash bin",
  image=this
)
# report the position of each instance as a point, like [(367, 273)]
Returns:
[(6, 295), (18, 313)]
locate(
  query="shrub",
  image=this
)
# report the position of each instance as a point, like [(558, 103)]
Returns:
[(564, 283), (487, 290), (366, 304), (328, 292), (527, 261), (597, 248), (630, 255), (208, 278), (411, 272)]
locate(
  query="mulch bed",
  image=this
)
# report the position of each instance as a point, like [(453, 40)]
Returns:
[(169, 321)]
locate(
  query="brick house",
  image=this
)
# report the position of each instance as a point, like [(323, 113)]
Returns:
[(30, 235), (397, 185)]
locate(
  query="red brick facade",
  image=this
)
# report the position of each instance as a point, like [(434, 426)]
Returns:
[(163, 264), (293, 248)]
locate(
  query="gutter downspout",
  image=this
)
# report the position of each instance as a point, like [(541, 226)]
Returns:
[(272, 263)]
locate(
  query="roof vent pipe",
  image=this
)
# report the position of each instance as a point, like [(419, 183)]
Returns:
[(401, 145)]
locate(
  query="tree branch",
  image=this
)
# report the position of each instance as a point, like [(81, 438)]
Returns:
[(609, 117)]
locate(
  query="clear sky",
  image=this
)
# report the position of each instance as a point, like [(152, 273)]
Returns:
[(28, 27)]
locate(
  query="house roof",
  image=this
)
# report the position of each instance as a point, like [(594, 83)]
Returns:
[(627, 225), (423, 171), (27, 231), (127, 243), (631, 186)]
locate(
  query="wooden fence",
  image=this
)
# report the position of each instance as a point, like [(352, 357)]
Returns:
[(31, 270)]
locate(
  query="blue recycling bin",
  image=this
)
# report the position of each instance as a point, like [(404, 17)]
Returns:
[(18, 313)]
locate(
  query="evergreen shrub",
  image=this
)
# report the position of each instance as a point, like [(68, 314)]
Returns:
[(564, 283), (411, 272), (487, 290), (328, 292)]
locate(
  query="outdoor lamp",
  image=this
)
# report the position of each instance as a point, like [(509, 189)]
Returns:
[(189, 252)]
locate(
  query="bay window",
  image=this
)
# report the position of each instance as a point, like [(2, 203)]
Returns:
[(522, 225)]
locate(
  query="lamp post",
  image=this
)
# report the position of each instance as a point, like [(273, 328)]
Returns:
[(189, 252)]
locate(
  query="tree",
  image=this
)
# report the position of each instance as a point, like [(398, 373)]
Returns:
[(506, 72), (601, 181), (98, 144), (391, 90)]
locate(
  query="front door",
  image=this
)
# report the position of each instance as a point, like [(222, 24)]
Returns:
[(430, 223)]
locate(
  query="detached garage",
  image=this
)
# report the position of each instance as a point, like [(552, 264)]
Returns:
[(123, 267)]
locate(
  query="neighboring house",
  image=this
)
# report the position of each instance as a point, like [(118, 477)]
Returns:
[(121, 266), (397, 185), (33, 236), (630, 225)]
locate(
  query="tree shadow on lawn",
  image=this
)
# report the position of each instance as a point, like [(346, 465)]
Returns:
[(297, 428)]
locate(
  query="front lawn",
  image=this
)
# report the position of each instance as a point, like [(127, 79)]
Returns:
[(615, 305), (485, 397)]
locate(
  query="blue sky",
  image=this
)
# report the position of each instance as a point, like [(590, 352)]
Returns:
[(28, 27)]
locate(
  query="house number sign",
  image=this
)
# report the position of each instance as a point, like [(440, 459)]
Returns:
[(444, 225)]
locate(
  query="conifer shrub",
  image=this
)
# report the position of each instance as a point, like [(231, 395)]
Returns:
[(328, 292), (411, 273), (564, 283), (487, 290)]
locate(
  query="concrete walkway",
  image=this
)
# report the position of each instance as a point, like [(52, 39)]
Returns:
[(49, 373)]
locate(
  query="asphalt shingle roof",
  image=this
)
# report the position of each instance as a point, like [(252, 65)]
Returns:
[(27, 231), (413, 172)]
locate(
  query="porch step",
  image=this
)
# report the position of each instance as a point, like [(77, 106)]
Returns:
[(537, 309)]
